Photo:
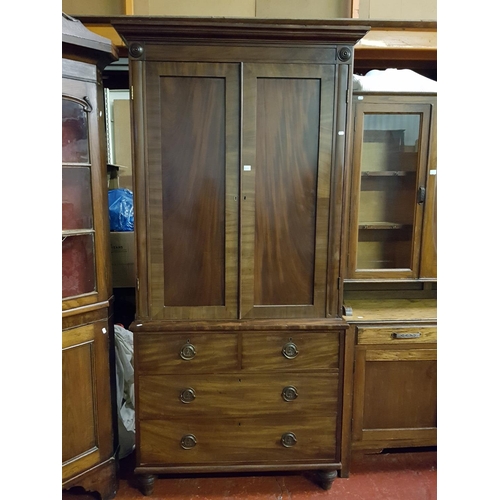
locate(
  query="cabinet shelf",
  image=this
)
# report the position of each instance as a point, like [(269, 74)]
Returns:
[(382, 225)]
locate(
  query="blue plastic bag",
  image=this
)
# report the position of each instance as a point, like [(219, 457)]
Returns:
[(121, 209)]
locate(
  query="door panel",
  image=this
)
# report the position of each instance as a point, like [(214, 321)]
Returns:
[(193, 153), (287, 154)]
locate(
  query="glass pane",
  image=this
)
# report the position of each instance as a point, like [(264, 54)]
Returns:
[(76, 198), (389, 162), (75, 139), (78, 267)]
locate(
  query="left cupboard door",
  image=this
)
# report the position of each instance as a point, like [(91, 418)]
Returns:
[(191, 191)]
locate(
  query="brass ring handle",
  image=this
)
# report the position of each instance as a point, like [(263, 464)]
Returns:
[(188, 351), (288, 439), (187, 395), (188, 441), (289, 393), (290, 350)]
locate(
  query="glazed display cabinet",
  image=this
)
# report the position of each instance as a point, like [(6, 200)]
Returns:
[(88, 442), (392, 216), (240, 129)]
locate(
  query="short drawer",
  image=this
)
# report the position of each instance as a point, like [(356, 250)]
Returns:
[(185, 353), (200, 441), (237, 395), (290, 351), (397, 334)]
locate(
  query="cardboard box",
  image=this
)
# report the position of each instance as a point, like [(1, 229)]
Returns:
[(123, 259)]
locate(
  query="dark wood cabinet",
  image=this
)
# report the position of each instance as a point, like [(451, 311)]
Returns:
[(392, 216), (88, 442), (240, 130)]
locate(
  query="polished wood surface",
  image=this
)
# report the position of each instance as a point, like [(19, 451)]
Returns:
[(285, 185), (251, 440), (88, 408), (389, 334), (192, 192), (287, 146), (193, 167), (236, 395), (395, 396), (392, 310), (239, 136)]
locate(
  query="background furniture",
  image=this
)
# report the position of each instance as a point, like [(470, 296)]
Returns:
[(391, 273), (240, 129), (88, 441)]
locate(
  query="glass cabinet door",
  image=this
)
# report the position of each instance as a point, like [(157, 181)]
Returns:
[(78, 246), (386, 210)]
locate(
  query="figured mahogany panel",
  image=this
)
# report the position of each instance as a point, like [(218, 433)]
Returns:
[(237, 395), (310, 351), (210, 352), (287, 165), (193, 165), (219, 440), (285, 189), (189, 193)]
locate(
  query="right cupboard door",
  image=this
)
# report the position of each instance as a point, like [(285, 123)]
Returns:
[(285, 181)]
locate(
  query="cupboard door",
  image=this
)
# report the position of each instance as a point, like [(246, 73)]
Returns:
[(86, 395), (285, 179), (192, 190), (395, 396), (391, 142)]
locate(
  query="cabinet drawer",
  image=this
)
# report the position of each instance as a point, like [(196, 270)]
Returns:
[(237, 395), (235, 440), (186, 353), (397, 334), (290, 351)]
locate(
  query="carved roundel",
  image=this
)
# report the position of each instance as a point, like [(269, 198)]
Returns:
[(136, 50), (344, 54)]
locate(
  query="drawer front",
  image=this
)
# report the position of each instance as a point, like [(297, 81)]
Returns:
[(290, 351), (225, 441), (186, 353), (237, 395), (397, 334)]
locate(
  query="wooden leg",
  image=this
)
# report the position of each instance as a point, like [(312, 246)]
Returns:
[(325, 478), (146, 483)]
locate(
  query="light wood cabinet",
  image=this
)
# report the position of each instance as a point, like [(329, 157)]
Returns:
[(395, 373), (240, 130), (88, 442), (392, 209)]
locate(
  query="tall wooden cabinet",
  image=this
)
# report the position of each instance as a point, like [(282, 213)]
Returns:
[(88, 442), (240, 130), (391, 273)]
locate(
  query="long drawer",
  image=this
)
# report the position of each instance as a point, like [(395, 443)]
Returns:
[(196, 441), (397, 334), (233, 395), (290, 351)]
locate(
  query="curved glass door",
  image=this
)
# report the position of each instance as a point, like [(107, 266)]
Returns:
[(78, 246)]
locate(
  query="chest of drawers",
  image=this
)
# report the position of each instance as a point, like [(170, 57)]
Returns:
[(238, 398)]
